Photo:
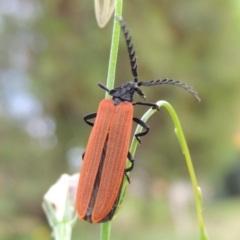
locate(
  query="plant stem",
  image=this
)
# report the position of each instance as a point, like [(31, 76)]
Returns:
[(114, 47), (106, 230), (183, 144), (62, 231), (106, 227)]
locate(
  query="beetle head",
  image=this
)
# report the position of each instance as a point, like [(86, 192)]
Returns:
[(126, 91)]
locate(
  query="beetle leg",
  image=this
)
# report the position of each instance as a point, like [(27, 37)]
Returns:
[(88, 117), (153, 105), (145, 127), (131, 159)]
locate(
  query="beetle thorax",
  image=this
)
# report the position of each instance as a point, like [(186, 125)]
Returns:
[(124, 92)]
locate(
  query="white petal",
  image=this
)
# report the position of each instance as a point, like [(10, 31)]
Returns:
[(57, 195)]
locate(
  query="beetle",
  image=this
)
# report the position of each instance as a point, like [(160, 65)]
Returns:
[(104, 160)]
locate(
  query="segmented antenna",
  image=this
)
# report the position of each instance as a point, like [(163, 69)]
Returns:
[(133, 62), (103, 87), (131, 51), (172, 82)]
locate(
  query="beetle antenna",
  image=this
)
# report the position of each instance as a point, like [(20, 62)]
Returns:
[(172, 82), (103, 87), (131, 51)]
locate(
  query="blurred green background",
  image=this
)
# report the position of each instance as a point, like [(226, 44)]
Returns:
[(52, 54)]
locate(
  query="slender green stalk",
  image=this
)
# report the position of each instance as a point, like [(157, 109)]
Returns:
[(196, 188), (182, 141), (106, 230), (106, 227), (114, 47), (62, 231)]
